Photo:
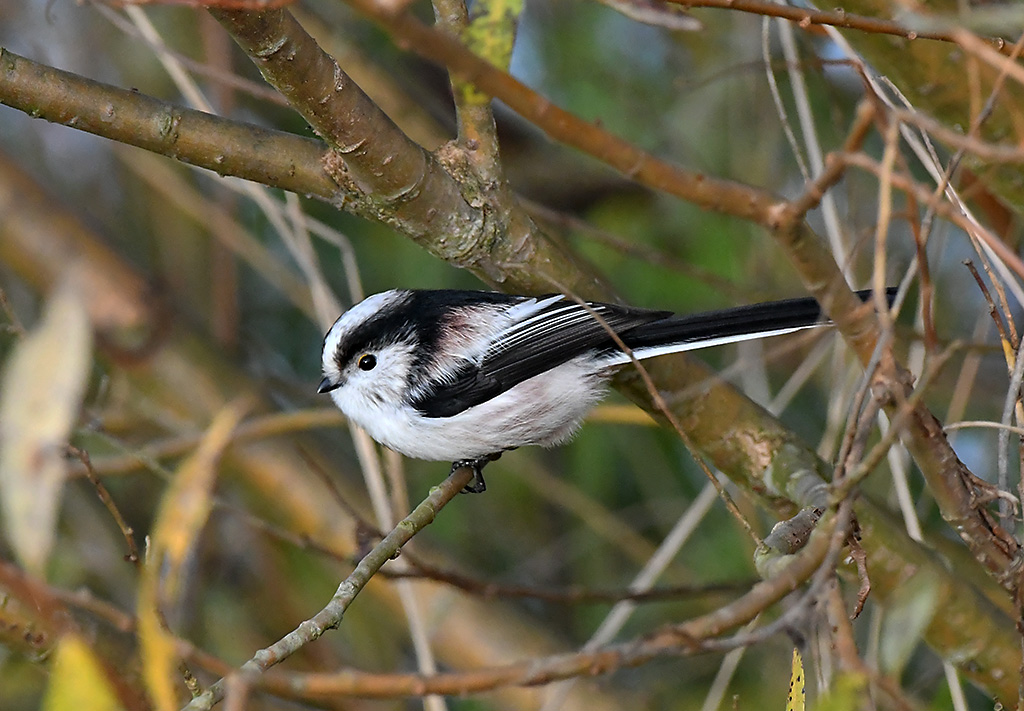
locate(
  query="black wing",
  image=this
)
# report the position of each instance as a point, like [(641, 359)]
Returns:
[(539, 342)]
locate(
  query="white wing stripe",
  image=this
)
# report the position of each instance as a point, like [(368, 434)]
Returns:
[(548, 321), (543, 317), (530, 307), (553, 322), (572, 311)]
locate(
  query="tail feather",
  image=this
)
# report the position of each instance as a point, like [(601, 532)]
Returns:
[(681, 333)]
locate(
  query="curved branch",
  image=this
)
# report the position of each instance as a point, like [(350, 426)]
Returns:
[(390, 178), (814, 263)]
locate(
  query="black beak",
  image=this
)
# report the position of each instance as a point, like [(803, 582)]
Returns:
[(327, 386)]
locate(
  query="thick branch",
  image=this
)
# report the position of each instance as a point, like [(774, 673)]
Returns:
[(815, 264), (949, 480), (275, 158)]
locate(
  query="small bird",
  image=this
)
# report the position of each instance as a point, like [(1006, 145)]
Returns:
[(462, 376)]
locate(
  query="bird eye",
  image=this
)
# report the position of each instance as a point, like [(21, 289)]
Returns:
[(367, 361)]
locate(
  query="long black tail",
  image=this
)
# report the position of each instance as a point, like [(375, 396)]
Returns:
[(711, 328)]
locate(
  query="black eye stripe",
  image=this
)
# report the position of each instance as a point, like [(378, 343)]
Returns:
[(412, 318), (367, 362)]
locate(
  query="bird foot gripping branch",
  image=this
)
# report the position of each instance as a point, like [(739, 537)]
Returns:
[(477, 485)]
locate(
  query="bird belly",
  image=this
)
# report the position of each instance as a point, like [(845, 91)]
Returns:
[(545, 410)]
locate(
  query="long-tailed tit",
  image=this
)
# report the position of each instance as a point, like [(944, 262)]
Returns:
[(463, 376)]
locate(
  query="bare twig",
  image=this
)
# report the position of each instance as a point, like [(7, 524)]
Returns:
[(666, 412), (993, 311), (720, 195), (255, 428), (132, 556), (949, 212)]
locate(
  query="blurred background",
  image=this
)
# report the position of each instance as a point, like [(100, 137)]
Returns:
[(225, 311)]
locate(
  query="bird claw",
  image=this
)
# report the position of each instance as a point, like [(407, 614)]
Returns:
[(476, 485)]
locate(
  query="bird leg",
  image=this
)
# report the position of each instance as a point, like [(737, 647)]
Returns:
[(476, 484)]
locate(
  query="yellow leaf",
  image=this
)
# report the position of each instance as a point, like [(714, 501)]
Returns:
[(40, 396), (156, 645), (797, 692), (77, 680), (186, 504), (183, 512)]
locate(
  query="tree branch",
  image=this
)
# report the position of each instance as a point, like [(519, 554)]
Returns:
[(274, 158), (742, 439), (806, 17), (682, 639)]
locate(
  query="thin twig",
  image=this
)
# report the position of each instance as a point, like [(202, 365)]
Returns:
[(993, 311), (132, 556), (949, 212), (255, 428)]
